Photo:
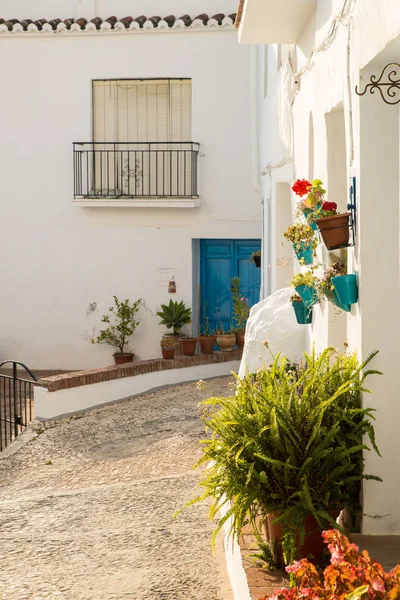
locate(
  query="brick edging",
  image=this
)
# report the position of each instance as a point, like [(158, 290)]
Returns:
[(140, 367)]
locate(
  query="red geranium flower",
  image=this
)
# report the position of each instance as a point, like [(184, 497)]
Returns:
[(301, 187), (332, 206)]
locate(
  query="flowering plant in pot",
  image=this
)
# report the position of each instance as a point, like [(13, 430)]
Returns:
[(287, 447), (326, 287), (121, 323), (305, 285), (256, 258), (303, 314), (241, 311), (175, 315), (167, 348), (311, 194), (304, 242), (333, 226), (351, 575)]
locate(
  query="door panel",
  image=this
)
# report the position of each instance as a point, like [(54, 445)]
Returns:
[(220, 260)]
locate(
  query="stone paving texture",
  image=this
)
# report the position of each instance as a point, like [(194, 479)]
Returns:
[(86, 505)]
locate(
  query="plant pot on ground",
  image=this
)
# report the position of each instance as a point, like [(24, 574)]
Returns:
[(334, 227), (303, 314), (226, 340), (121, 323), (188, 345), (174, 316), (279, 444), (168, 347)]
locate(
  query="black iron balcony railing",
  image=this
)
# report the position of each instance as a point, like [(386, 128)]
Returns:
[(135, 169)]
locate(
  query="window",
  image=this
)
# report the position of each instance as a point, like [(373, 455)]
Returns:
[(149, 110)]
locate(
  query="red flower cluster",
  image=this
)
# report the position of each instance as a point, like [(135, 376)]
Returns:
[(331, 206), (302, 187)]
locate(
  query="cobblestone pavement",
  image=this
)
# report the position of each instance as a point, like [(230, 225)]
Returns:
[(86, 506)]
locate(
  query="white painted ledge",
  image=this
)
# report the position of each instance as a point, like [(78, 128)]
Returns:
[(150, 202), (51, 405)]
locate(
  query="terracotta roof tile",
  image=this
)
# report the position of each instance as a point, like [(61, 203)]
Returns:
[(112, 22)]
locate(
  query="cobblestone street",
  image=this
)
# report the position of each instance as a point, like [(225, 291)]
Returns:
[(86, 506)]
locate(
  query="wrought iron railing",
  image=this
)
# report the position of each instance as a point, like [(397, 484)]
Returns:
[(16, 402), (135, 170)]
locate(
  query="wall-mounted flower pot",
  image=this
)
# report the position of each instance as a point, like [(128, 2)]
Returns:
[(346, 288), (257, 260), (308, 295), (333, 297), (188, 346), (335, 231), (309, 213), (303, 314), (304, 253)]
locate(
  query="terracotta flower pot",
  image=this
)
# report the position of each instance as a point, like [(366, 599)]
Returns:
[(176, 343), (313, 545), (240, 338), (206, 343), (168, 354), (188, 346), (121, 359), (226, 342), (335, 231)]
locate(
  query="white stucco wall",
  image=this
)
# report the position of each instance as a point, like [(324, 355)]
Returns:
[(369, 148), (57, 258)]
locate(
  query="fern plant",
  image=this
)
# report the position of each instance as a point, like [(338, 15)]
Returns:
[(289, 442)]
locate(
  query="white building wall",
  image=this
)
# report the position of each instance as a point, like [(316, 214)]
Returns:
[(337, 134), (58, 259)]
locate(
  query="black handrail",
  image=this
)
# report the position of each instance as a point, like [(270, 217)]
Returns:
[(15, 363)]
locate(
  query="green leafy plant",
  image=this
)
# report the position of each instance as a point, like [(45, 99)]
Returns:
[(350, 576), (174, 316), (241, 309), (308, 278), (205, 330), (121, 324), (288, 443), (300, 234)]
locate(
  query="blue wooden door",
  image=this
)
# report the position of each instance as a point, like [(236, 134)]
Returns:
[(220, 260)]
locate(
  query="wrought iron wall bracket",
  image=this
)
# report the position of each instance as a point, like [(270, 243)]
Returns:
[(388, 84)]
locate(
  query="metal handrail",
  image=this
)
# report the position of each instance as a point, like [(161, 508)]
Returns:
[(15, 362)]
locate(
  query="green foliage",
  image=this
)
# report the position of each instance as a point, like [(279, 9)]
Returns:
[(241, 309), (325, 284), (175, 315), (308, 278), (289, 442), (121, 324)]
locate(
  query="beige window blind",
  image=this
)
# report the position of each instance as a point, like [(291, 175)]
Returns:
[(157, 110)]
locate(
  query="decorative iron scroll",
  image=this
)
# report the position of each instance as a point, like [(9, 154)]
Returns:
[(388, 84)]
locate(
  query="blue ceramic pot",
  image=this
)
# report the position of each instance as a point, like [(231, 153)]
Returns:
[(346, 288), (309, 213), (308, 295), (304, 253), (303, 314)]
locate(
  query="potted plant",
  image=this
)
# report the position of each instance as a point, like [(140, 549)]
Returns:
[(287, 447), (121, 325), (167, 348), (333, 226), (311, 194), (174, 316), (256, 258), (326, 287), (304, 242), (303, 314), (306, 287), (206, 338), (346, 288), (188, 345), (241, 311), (226, 339)]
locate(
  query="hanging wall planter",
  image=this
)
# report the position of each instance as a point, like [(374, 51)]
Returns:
[(303, 314), (346, 289), (308, 294), (304, 253), (256, 259), (308, 214), (335, 231)]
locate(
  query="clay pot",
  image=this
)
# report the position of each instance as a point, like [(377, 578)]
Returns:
[(207, 343), (168, 354), (121, 359), (240, 338), (335, 231), (176, 343), (188, 346), (313, 545), (226, 342)]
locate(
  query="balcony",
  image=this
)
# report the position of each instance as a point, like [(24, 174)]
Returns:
[(274, 21), (162, 174)]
